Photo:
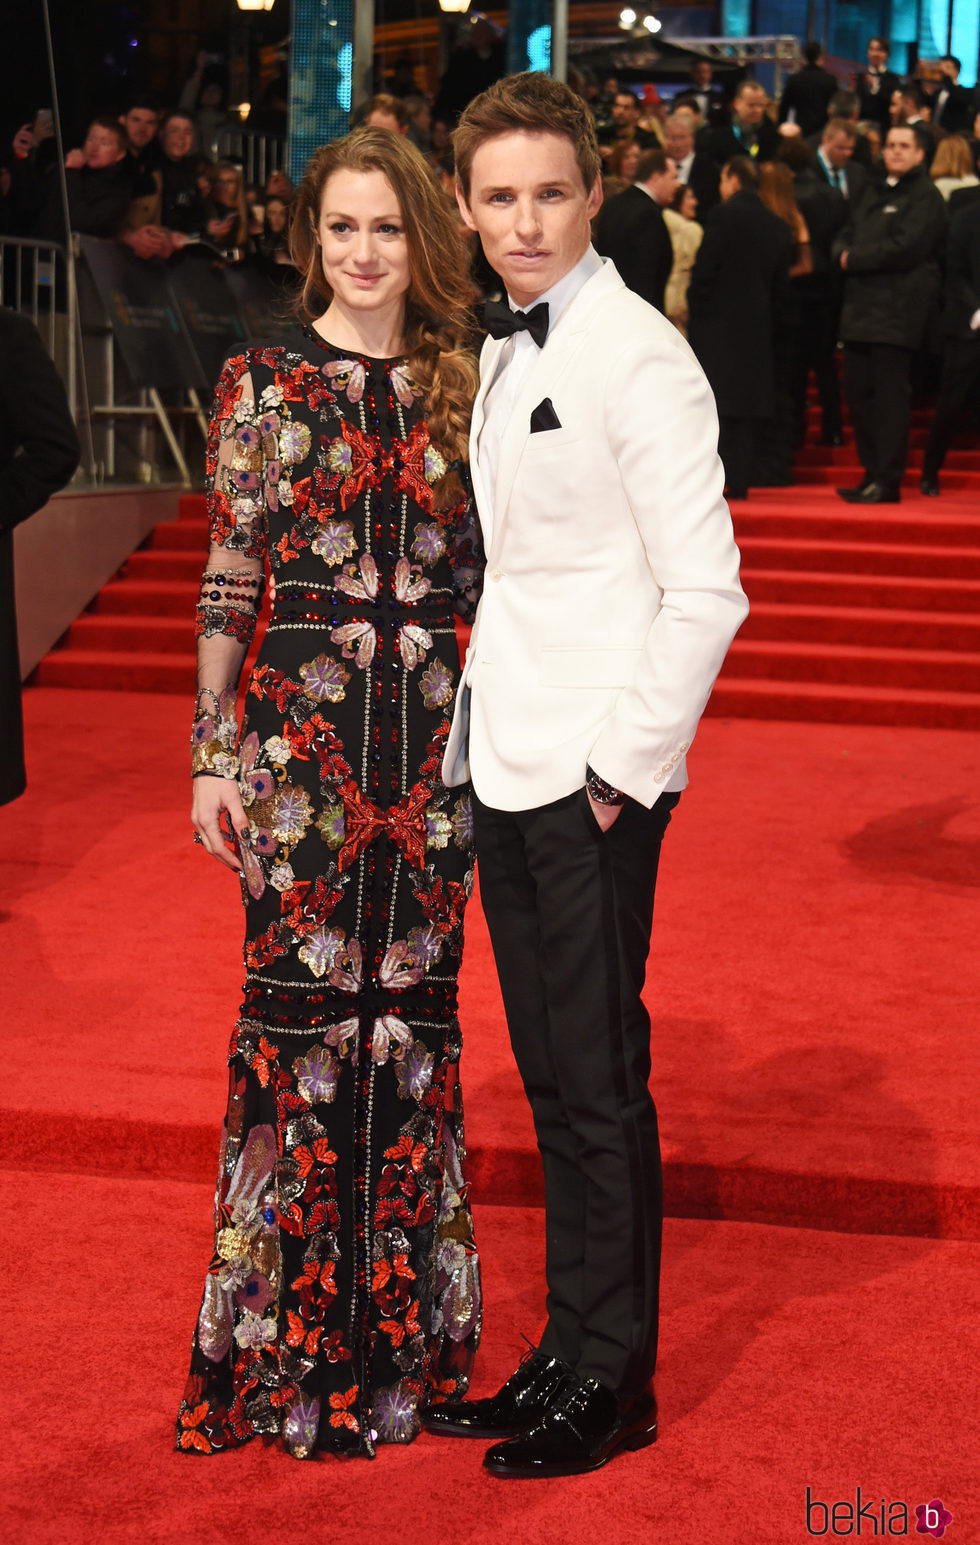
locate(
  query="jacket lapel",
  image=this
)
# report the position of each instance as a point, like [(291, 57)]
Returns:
[(489, 355), (547, 370)]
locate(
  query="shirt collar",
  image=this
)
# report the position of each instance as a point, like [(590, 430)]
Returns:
[(561, 295)]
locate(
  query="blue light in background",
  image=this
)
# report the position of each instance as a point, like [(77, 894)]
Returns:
[(539, 49), (345, 63), (966, 38)]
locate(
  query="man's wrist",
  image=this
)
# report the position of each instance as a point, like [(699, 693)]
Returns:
[(602, 792)]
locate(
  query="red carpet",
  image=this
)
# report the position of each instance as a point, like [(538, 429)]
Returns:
[(814, 993), (814, 983), (790, 1359)]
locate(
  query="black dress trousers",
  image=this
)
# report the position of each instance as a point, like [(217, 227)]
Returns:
[(569, 909), (960, 379), (878, 385)]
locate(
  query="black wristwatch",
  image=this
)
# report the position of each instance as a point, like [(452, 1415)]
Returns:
[(602, 792)]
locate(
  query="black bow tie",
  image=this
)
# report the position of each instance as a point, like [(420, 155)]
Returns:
[(501, 322)]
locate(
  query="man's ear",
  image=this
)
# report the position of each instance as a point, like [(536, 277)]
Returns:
[(464, 208), (594, 203)]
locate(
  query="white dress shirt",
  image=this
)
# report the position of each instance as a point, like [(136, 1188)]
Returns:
[(684, 168), (518, 355)]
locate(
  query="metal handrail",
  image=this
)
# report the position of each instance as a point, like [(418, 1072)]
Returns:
[(43, 289), (257, 154)]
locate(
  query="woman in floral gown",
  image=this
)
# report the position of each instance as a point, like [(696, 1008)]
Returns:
[(344, 1287)]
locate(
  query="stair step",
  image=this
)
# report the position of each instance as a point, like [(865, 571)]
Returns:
[(148, 563), (146, 598), (821, 703), (182, 536), (105, 671), (844, 477), (863, 590), (846, 456), (853, 664), (864, 625), (878, 558), (119, 634), (880, 524)]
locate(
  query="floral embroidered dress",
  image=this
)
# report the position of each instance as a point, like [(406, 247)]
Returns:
[(344, 1288)]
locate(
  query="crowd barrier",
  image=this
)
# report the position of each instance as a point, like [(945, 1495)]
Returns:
[(136, 338), (256, 154)]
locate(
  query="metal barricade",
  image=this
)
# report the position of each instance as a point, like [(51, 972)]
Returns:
[(257, 154), (37, 279)]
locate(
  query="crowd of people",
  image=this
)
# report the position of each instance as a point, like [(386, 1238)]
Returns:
[(769, 232)]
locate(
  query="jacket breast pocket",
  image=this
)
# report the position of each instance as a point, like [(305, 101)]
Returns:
[(602, 669)]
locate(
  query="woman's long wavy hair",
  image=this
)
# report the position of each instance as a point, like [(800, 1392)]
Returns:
[(438, 319)]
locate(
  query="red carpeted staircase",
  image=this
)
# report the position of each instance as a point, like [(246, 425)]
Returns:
[(859, 615)]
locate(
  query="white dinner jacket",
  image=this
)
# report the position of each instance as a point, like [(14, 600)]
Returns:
[(611, 592)]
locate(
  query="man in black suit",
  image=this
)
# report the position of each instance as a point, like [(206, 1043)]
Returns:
[(710, 98), (813, 342), (807, 94), (738, 289), (632, 231), (961, 324), (950, 102), (695, 168), (875, 85), (889, 252), (834, 160), (751, 132), (38, 454), (845, 104)]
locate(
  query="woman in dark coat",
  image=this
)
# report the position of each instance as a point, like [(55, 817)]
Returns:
[(38, 454)]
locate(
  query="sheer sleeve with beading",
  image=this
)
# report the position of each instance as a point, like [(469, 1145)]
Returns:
[(233, 579)]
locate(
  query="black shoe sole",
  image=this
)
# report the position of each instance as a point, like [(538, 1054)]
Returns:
[(474, 1430), (628, 1444)]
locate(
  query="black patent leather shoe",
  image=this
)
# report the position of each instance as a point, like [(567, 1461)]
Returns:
[(878, 493), (852, 495), (518, 1405), (929, 486), (581, 1431)]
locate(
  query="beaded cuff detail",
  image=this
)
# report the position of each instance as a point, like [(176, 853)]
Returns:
[(214, 737), (229, 603)]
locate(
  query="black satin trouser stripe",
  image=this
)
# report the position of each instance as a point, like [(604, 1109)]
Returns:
[(569, 911)]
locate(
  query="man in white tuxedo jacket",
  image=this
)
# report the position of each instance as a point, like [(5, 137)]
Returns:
[(611, 596)]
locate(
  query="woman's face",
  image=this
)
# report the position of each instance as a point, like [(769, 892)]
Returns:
[(689, 204), (363, 246), (226, 189), (629, 161), (275, 216)]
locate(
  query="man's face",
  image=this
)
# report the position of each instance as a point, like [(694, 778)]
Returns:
[(531, 209), (727, 185), (838, 148), (902, 152), (625, 110), (678, 137), (877, 55), (750, 105), (177, 138), (701, 74), (101, 148), (140, 124), (663, 185)]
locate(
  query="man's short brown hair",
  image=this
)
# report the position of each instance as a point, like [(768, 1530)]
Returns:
[(652, 163), (393, 107), (531, 104), (838, 126)]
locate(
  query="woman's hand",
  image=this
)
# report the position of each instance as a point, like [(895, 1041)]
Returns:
[(213, 797)]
